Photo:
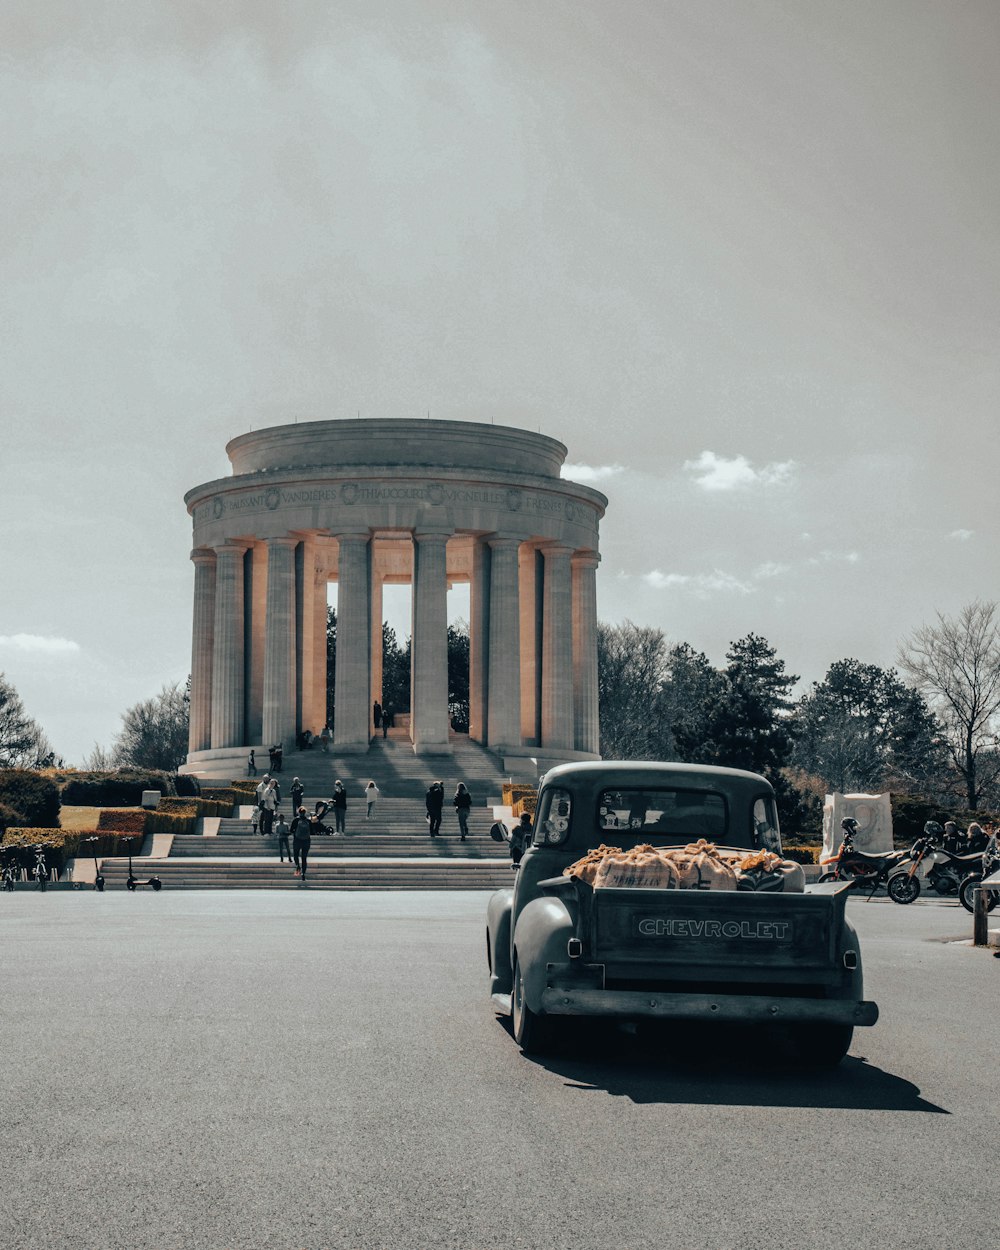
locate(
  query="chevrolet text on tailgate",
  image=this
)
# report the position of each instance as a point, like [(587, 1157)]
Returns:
[(658, 891)]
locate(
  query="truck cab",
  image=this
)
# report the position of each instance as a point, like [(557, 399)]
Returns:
[(770, 952)]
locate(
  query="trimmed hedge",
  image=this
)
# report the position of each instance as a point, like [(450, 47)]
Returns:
[(245, 785), (171, 822), (800, 854), (29, 796), (219, 794), (122, 820), (60, 845), (122, 788)]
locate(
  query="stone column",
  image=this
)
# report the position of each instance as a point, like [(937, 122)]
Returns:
[(200, 734), (353, 682), (429, 677), (588, 729), (505, 645), (319, 658), (530, 566), (227, 649), (376, 619), (279, 643), (557, 649), (479, 641)]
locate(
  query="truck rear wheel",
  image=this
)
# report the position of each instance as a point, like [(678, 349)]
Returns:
[(533, 1033)]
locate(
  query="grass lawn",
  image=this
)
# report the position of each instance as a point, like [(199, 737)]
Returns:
[(84, 819)]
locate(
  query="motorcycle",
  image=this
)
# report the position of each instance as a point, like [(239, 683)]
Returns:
[(863, 868), (943, 871)]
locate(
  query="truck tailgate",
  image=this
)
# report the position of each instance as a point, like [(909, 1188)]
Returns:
[(685, 929)]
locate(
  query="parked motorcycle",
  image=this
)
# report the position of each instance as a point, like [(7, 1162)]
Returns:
[(929, 863), (864, 868)]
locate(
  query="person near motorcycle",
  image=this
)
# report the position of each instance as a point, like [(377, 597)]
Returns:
[(991, 853), (976, 838), (954, 841)]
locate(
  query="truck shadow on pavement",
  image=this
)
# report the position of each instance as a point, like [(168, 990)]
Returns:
[(645, 1069)]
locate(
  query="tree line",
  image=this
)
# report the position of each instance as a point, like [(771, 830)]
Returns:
[(930, 727)]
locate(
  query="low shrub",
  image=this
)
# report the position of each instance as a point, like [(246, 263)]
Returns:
[(60, 845), (178, 806), (8, 817), (122, 820), (122, 788), (516, 793), (186, 786), (108, 843), (219, 794), (34, 798), (801, 854), (245, 785), (170, 822)]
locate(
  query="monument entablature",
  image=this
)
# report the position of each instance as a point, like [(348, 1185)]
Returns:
[(367, 503)]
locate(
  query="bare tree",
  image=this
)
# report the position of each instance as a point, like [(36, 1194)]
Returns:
[(154, 733), (956, 665), (22, 742), (631, 667)]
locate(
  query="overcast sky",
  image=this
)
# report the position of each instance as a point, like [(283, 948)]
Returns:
[(743, 258)]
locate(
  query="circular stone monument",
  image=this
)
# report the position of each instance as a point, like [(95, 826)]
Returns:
[(370, 502)]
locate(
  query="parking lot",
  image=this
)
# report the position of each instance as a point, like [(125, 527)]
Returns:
[(309, 1070)]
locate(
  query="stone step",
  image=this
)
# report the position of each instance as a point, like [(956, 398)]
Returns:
[(401, 875), (193, 847)]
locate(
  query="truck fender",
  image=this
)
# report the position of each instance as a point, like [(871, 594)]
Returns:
[(544, 926), (498, 914), (854, 989)]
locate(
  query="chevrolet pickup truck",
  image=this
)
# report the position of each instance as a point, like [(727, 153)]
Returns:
[(771, 953)]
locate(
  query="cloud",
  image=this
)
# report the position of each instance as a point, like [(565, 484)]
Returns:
[(835, 557), (770, 569), (699, 584), (37, 644), (591, 472), (961, 536), (716, 473)]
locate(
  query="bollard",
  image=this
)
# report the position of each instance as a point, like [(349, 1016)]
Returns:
[(980, 917)]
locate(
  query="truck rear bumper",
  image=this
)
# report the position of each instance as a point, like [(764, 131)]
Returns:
[(734, 1008)]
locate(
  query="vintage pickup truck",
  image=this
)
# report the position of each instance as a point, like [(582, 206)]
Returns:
[(773, 953)]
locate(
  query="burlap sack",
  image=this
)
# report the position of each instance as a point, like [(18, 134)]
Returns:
[(641, 869), (765, 871)]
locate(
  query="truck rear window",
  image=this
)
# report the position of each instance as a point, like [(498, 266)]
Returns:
[(662, 814)]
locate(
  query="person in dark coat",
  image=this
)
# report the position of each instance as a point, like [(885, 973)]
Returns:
[(298, 792), (281, 829), (435, 802), (339, 803), (463, 805), (520, 839), (301, 841), (377, 714)]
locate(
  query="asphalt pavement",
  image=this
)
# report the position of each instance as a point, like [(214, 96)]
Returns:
[(302, 1071)]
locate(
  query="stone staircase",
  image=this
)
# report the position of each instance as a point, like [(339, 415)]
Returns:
[(392, 851)]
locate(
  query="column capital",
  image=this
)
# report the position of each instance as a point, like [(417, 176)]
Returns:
[(231, 549), (432, 535), (353, 536), (203, 555), (586, 559), (503, 542), (555, 550), (284, 540)]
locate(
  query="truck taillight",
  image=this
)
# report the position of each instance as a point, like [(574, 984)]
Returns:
[(574, 948), (850, 960)]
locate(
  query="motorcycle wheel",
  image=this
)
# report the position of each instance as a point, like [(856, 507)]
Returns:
[(967, 895), (827, 876), (903, 889)]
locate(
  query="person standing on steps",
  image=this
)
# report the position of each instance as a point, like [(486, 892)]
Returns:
[(371, 798), (324, 739), (339, 803), (377, 714), (251, 764), (301, 841), (297, 794), (281, 829), (435, 803), (463, 805), (386, 722), (268, 807)]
